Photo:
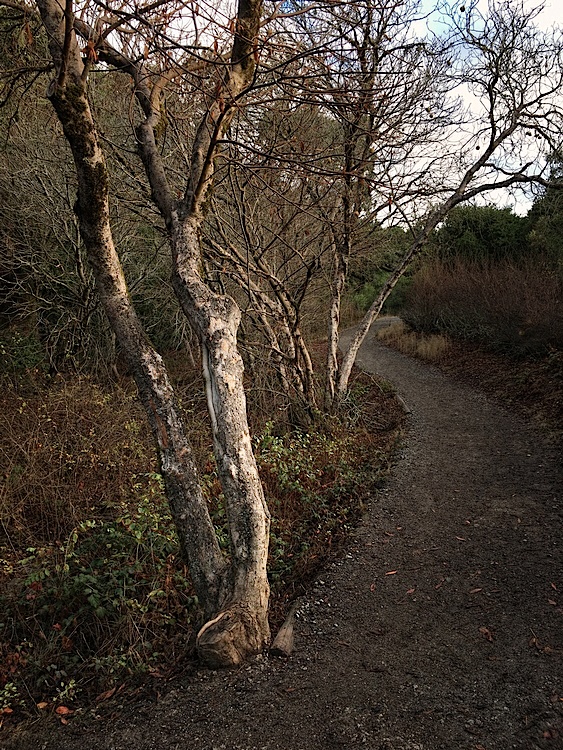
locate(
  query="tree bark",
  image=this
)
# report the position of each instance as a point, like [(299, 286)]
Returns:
[(68, 97), (235, 596), (242, 628), (240, 625), (340, 273), (375, 308)]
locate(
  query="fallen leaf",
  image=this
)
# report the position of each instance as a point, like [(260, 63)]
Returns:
[(486, 633), (372, 587), (67, 643), (461, 539), (550, 601), (411, 591), (7, 710), (391, 573), (63, 711), (42, 705), (63, 720), (475, 591), (104, 696), (554, 587)]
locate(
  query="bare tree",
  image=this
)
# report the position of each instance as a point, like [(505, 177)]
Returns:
[(514, 72), (379, 97), (381, 84), (387, 155), (412, 147), (234, 593), (266, 236)]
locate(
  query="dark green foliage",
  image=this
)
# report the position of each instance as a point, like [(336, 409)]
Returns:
[(109, 599), (487, 278), (546, 217), (370, 271), (368, 292), (20, 353), (481, 234)]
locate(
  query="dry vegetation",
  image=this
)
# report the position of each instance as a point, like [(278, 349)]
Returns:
[(510, 308), (93, 593), (431, 348), (497, 324)]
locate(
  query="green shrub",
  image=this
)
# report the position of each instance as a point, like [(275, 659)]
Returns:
[(367, 293), (20, 353), (112, 598)]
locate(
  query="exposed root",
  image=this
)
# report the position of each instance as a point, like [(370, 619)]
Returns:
[(230, 638)]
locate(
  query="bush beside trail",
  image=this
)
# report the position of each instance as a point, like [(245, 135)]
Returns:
[(510, 308)]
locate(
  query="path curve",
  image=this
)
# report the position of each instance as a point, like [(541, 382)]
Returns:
[(440, 629)]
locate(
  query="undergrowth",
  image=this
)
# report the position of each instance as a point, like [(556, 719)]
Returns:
[(430, 347), (94, 596), (510, 308)]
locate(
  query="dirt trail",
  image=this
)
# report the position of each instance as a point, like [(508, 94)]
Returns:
[(441, 627)]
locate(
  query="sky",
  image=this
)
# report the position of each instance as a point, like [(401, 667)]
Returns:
[(551, 15)]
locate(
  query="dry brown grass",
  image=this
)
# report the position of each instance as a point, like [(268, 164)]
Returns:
[(67, 452), (514, 309), (431, 348)]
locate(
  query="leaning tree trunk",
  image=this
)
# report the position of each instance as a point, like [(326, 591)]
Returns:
[(189, 509), (240, 626), (416, 246), (235, 596)]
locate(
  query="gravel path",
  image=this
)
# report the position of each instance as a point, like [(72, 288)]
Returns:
[(440, 628)]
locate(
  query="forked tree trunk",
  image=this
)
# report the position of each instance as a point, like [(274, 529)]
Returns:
[(235, 595), (189, 509)]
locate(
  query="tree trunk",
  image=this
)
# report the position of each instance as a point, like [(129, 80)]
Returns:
[(338, 282), (188, 507), (418, 243), (242, 628), (235, 596), (342, 248)]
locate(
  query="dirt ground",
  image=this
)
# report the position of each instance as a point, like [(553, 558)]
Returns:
[(441, 627)]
